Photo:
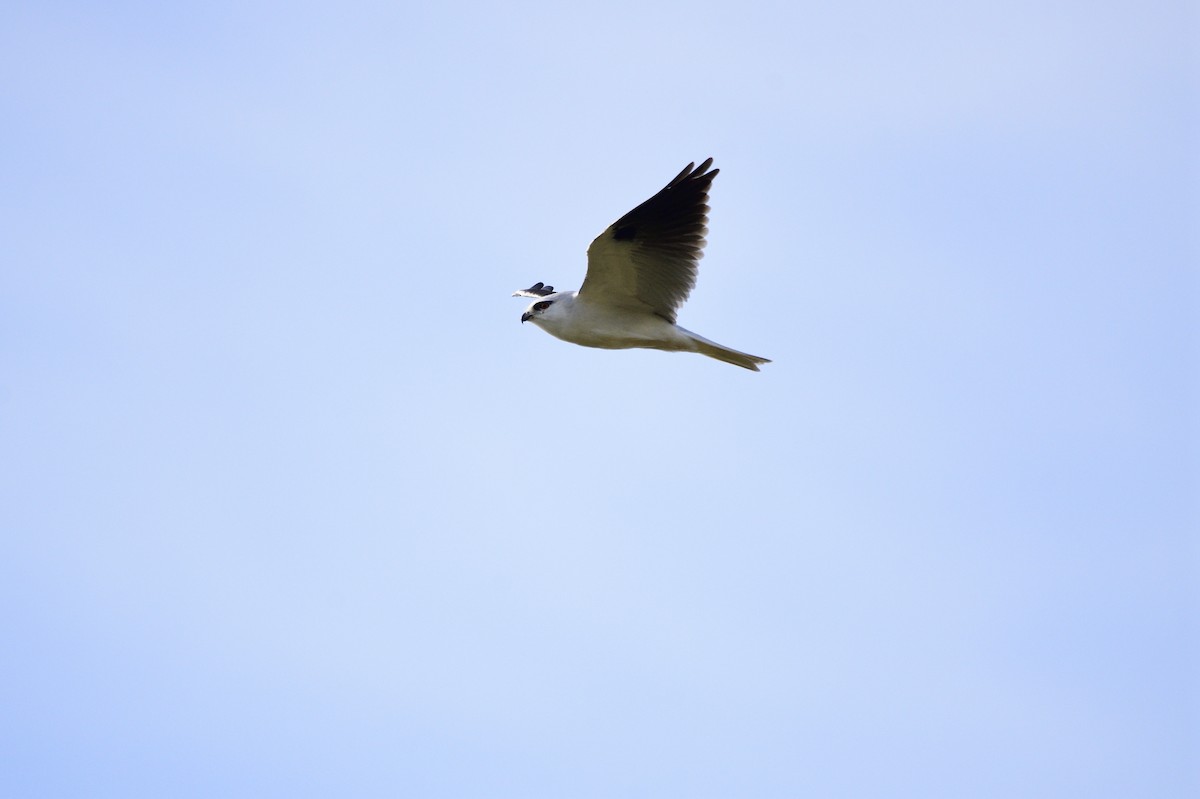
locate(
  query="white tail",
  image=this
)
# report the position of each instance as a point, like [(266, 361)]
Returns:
[(714, 350)]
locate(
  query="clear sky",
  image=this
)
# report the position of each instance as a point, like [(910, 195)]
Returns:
[(293, 505)]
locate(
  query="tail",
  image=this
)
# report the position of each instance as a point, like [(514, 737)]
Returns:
[(714, 350)]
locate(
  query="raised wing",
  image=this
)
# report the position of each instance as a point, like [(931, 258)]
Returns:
[(536, 290), (648, 258)]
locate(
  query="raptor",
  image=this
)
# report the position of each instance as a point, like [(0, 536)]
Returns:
[(640, 271)]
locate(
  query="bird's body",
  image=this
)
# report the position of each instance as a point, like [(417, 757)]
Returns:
[(640, 270), (572, 318)]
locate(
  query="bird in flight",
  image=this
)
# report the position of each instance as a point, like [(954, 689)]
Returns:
[(640, 270)]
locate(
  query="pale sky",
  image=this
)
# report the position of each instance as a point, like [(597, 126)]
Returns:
[(293, 505)]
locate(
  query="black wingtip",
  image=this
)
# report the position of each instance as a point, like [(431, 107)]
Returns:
[(538, 289), (693, 172)]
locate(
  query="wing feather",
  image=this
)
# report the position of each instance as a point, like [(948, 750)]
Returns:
[(649, 257), (536, 290)]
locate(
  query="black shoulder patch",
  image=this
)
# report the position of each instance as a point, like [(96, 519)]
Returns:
[(625, 233)]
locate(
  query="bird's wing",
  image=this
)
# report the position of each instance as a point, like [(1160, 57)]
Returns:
[(536, 290), (648, 258)]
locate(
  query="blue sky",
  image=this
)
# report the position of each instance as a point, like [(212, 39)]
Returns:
[(294, 506)]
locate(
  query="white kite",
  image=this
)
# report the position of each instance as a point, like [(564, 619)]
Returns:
[(639, 272)]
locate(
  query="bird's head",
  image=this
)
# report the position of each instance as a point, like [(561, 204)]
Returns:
[(540, 310)]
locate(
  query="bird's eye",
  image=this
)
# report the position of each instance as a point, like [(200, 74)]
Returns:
[(541, 306)]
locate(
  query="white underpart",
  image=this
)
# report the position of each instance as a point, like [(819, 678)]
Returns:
[(589, 324)]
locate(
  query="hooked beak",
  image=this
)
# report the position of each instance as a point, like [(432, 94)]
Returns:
[(525, 317)]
